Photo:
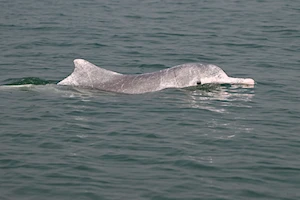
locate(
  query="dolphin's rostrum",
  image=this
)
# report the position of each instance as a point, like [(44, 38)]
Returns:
[(88, 75)]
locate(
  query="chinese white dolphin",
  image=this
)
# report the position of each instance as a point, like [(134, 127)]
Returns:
[(88, 75)]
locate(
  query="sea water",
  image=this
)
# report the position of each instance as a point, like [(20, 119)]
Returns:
[(216, 142)]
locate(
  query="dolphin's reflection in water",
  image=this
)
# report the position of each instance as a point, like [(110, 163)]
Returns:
[(216, 98)]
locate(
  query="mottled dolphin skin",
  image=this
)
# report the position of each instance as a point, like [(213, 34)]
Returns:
[(88, 75)]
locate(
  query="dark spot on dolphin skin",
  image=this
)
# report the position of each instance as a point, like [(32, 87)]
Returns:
[(199, 83)]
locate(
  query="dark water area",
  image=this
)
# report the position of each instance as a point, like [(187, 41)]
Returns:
[(216, 142)]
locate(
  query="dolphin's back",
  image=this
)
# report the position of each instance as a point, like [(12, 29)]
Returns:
[(89, 75)]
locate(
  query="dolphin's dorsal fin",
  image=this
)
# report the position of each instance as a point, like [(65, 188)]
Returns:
[(84, 66), (90, 73), (87, 74)]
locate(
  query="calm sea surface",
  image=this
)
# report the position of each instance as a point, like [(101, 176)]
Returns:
[(220, 142)]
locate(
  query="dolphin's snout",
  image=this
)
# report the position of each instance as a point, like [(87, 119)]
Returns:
[(249, 81)]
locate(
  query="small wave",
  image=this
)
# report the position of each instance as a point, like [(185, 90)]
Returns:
[(27, 81)]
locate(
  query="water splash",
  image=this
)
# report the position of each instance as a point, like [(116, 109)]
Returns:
[(205, 97)]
